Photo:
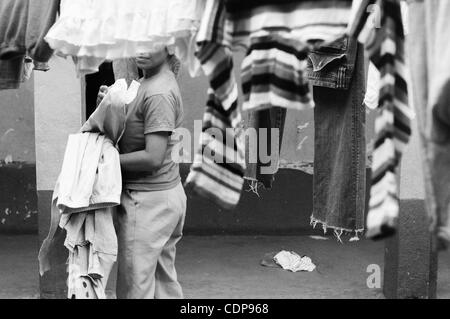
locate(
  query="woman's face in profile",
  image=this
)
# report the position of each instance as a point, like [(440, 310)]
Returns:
[(151, 60)]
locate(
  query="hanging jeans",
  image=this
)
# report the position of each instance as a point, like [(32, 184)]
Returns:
[(340, 143), (11, 73), (428, 54)]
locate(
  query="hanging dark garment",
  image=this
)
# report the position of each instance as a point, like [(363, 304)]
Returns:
[(23, 25), (263, 170), (105, 76)]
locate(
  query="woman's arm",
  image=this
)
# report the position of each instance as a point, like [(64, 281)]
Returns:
[(149, 160)]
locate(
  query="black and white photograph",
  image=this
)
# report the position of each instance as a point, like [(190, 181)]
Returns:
[(224, 155)]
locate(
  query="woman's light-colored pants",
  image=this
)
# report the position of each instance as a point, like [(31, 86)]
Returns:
[(150, 224)]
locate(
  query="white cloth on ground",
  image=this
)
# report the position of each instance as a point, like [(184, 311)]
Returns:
[(293, 262)]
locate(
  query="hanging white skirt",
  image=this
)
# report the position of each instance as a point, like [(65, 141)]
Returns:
[(98, 30)]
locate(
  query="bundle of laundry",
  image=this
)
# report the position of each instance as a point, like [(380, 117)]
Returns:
[(95, 31), (23, 25), (88, 188), (275, 35), (288, 260)]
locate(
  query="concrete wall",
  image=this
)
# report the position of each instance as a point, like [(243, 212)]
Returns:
[(18, 205), (412, 186), (17, 124), (58, 111)]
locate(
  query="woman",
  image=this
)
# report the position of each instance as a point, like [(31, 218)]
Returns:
[(153, 205)]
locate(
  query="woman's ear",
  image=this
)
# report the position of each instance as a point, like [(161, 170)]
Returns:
[(170, 50), (174, 64)]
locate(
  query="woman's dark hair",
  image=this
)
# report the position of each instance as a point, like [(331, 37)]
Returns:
[(174, 64)]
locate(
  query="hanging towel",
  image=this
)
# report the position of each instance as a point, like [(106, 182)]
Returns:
[(385, 46)]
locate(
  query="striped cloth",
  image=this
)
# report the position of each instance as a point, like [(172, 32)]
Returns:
[(385, 46), (274, 34), (218, 169), (304, 21), (273, 74)]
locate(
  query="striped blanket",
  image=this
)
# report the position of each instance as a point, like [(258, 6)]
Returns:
[(385, 46)]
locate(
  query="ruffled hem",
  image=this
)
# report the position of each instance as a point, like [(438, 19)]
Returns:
[(119, 33), (133, 28), (118, 50)]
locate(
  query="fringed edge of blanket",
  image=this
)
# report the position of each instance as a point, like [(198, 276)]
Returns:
[(338, 231)]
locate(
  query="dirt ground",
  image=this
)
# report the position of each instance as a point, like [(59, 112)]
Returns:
[(229, 267)]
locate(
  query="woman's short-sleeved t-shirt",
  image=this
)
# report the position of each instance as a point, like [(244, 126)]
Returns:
[(157, 108)]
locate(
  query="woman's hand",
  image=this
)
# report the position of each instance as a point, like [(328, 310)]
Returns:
[(101, 94)]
